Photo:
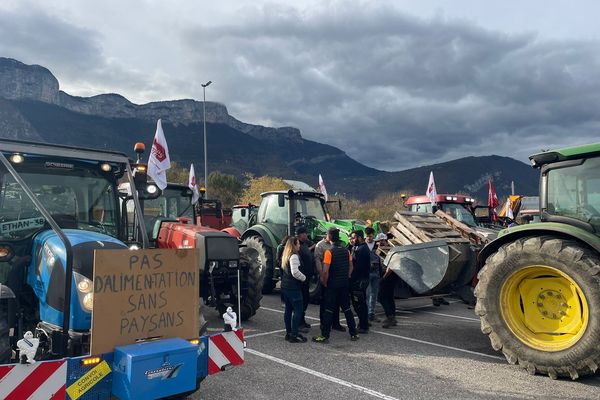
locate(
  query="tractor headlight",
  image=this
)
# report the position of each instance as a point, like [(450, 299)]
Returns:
[(88, 301), (233, 264), (85, 288)]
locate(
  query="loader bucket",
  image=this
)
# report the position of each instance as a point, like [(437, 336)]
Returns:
[(427, 267)]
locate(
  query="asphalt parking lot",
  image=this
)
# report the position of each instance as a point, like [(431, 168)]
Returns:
[(433, 353)]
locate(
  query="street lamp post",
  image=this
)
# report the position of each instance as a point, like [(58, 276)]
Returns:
[(204, 85)]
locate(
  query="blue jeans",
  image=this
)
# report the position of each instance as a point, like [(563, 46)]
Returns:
[(292, 317), (372, 291)]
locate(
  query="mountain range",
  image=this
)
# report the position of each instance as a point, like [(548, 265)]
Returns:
[(32, 107)]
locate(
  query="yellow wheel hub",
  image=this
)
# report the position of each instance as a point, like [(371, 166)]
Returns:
[(544, 308)]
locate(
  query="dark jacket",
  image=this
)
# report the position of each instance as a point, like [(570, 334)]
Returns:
[(288, 282), (361, 262), (339, 268), (307, 259)]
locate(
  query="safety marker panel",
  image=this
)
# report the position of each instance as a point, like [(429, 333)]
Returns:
[(42, 380), (224, 350)]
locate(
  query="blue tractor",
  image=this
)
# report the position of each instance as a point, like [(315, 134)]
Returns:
[(59, 204)]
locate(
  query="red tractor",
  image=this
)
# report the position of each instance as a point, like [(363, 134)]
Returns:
[(460, 207), (172, 221)]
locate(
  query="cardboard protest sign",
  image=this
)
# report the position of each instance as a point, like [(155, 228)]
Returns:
[(144, 294)]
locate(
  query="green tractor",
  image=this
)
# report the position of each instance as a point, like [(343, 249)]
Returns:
[(538, 294), (279, 214)]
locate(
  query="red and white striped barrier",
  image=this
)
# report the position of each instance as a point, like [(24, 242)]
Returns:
[(225, 349), (42, 380)]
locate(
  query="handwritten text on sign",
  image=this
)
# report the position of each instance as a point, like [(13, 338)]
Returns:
[(144, 293)]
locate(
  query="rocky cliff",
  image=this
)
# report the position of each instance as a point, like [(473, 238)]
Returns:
[(19, 81)]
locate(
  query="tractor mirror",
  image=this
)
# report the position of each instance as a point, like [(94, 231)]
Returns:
[(281, 200), (243, 212)]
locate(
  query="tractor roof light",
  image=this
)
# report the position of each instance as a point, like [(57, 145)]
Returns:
[(5, 253), (152, 189), (17, 158), (448, 197), (106, 167)]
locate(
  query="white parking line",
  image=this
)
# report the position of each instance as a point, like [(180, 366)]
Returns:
[(412, 339), (361, 389), (440, 345), (451, 316), (263, 333)]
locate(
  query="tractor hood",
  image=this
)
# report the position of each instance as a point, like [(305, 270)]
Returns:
[(47, 245), (46, 274)]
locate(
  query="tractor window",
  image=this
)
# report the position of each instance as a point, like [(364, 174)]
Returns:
[(310, 207), (271, 212), (575, 191), (420, 208), (459, 212), (76, 200)]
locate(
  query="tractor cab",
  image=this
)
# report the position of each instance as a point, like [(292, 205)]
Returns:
[(57, 204), (456, 205)]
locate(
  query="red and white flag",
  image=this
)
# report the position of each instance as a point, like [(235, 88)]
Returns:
[(431, 191), (192, 184), (492, 200), (159, 161), (322, 187)]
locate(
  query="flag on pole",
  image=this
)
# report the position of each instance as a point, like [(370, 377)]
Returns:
[(192, 184), (159, 161), (322, 187), (431, 191), (492, 200)]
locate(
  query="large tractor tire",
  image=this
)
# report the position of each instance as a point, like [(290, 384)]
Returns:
[(315, 289), (251, 302), (539, 303), (267, 266)]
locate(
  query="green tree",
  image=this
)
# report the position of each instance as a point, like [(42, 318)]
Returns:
[(226, 188), (256, 186), (178, 174)]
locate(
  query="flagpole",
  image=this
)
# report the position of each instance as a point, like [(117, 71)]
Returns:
[(204, 85)]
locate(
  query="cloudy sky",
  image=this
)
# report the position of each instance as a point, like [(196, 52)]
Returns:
[(395, 84)]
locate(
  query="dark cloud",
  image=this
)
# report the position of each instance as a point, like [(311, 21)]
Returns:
[(395, 91)]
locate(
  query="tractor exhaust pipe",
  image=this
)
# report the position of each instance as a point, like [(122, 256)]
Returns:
[(291, 213)]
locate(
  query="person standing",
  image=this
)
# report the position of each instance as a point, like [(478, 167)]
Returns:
[(337, 267), (320, 248), (387, 286), (307, 267), (291, 290), (375, 273), (359, 280)]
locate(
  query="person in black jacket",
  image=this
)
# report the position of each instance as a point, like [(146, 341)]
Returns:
[(337, 267), (291, 290), (359, 280), (307, 267)]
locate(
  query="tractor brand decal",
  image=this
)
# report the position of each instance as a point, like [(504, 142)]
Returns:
[(41, 380), (167, 371), (59, 165), (225, 350), (21, 225), (88, 380)]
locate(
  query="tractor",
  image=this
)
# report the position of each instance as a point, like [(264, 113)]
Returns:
[(279, 214), (61, 209), (173, 221), (538, 295), (169, 219), (458, 206)]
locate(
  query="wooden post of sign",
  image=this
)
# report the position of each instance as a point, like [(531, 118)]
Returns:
[(143, 294)]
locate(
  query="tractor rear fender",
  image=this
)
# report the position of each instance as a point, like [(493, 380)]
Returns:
[(265, 234), (544, 228)]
